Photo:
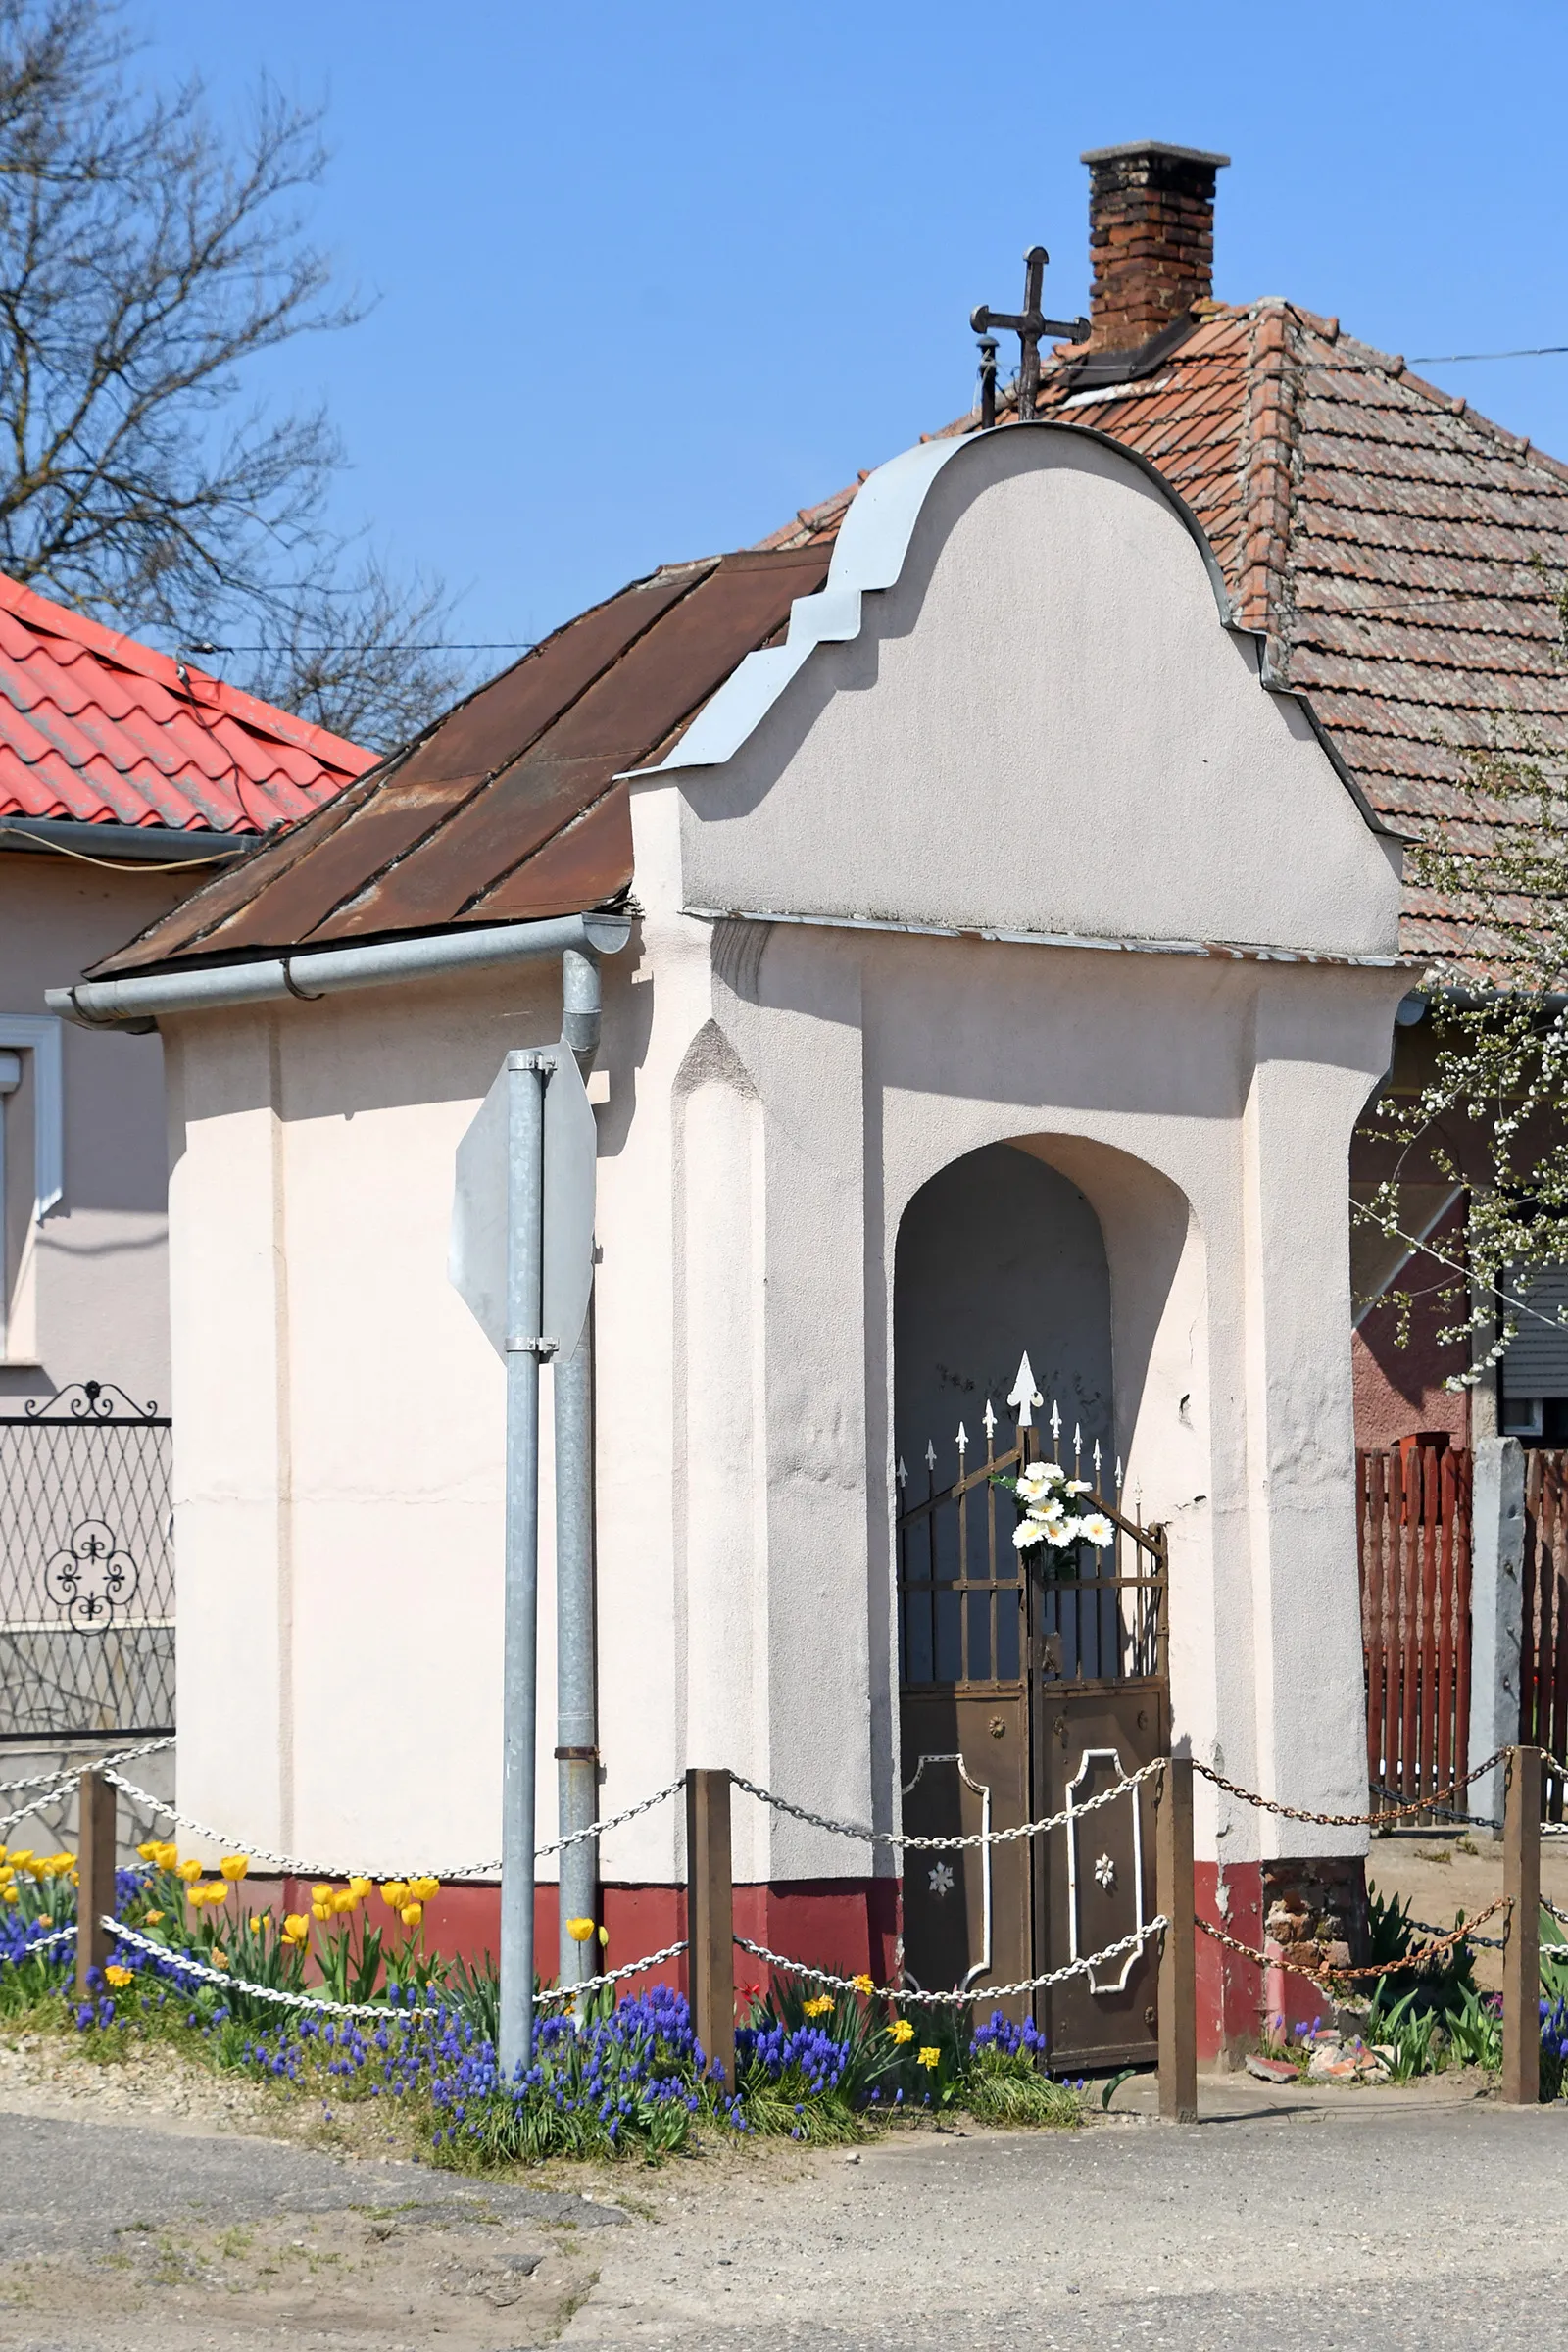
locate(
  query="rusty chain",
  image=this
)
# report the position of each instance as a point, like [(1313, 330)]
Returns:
[(1349, 1821), (1322, 1978)]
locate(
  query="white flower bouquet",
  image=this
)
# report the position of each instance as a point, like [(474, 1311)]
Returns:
[(1052, 1510)]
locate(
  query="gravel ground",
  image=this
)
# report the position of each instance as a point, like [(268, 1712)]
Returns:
[(1439, 1878), (1343, 2218)]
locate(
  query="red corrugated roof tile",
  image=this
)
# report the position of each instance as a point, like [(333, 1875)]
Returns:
[(98, 729)]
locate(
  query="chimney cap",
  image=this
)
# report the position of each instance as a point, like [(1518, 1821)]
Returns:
[(1186, 155)]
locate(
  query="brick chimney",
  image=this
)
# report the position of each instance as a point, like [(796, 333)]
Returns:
[(1151, 238)]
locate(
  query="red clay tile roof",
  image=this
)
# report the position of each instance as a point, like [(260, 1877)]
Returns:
[(506, 808), (1398, 550), (98, 729)]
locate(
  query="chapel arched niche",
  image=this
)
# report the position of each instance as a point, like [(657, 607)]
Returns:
[(999, 1254)]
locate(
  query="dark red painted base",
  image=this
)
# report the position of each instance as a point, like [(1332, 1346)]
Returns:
[(850, 1926)]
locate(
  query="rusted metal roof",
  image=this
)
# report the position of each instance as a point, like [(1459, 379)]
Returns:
[(506, 808), (98, 729)]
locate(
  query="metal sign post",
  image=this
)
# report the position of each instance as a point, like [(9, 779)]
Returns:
[(521, 1258)]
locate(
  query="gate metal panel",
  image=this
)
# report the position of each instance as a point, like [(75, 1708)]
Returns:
[(86, 1567), (1021, 1689)]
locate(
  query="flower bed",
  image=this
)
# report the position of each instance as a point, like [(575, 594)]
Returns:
[(626, 2077)]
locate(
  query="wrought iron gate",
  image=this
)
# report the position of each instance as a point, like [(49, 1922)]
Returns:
[(86, 1567), (1023, 1693)]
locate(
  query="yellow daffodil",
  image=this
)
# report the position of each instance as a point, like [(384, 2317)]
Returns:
[(219, 1959), (296, 1928), (359, 1888), (422, 1890), (411, 1914), (118, 1977), (902, 2030), (234, 1867), (394, 1894), (930, 2059), (820, 2006), (579, 1929), (155, 1919), (189, 1870), (862, 1982)]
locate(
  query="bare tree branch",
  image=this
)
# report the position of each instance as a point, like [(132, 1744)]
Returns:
[(145, 262)]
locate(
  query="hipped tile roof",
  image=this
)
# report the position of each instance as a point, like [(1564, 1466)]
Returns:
[(98, 729), (1400, 552)]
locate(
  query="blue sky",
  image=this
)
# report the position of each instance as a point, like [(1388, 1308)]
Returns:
[(650, 280)]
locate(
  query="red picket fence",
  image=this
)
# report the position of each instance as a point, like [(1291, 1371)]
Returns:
[(1413, 1543), (1543, 1665)]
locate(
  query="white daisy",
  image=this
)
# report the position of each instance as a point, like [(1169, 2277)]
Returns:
[(1097, 1529), (1061, 1533), (1079, 1486), (1028, 1532)]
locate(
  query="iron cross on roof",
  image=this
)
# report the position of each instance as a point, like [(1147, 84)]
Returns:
[(1028, 325)]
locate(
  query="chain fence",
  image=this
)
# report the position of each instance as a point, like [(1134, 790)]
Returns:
[(1334, 1975), (896, 1837), (911, 1994)]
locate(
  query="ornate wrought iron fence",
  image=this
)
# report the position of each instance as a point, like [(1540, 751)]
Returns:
[(87, 1566)]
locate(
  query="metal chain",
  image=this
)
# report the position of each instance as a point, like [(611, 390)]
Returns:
[(1326, 1976), (895, 1837), (1493, 1943), (292, 1867), (124, 1755), (36, 1805), (956, 2000), (42, 1943), (382, 2009), (1344, 1820)]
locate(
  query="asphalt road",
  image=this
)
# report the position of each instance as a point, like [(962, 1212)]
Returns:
[(1345, 2220)]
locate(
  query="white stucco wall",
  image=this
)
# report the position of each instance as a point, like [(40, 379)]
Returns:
[(1042, 729)]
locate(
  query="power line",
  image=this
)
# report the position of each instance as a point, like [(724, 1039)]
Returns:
[(484, 645), (1448, 358)]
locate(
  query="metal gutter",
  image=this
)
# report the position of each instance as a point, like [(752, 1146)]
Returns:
[(138, 1003), (133, 844)]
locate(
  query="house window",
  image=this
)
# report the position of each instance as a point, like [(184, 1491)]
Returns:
[(1533, 1374)]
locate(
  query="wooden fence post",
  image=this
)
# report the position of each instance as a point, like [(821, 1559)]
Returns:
[(710, 1916), (1178, 1970), (1521, 1931), (95, 1879)]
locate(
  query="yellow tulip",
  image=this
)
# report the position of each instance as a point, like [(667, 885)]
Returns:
[(8, 1894), (411, 1914), (189, 1871), (234, 1867), (169, 1854), (118, 1977), (321, 1894), (22, 1855), (296, 1928), (359, 1888), (394, 1894), (345, 1899), (579, 1929), (321, 1910), (150, 1850), (422, 1890), (603, 1938), (219, 1959), (155, 1919)]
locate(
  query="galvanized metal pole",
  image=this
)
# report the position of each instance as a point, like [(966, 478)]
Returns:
[(576, 1704), (578, 1750), (520, 1671)]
